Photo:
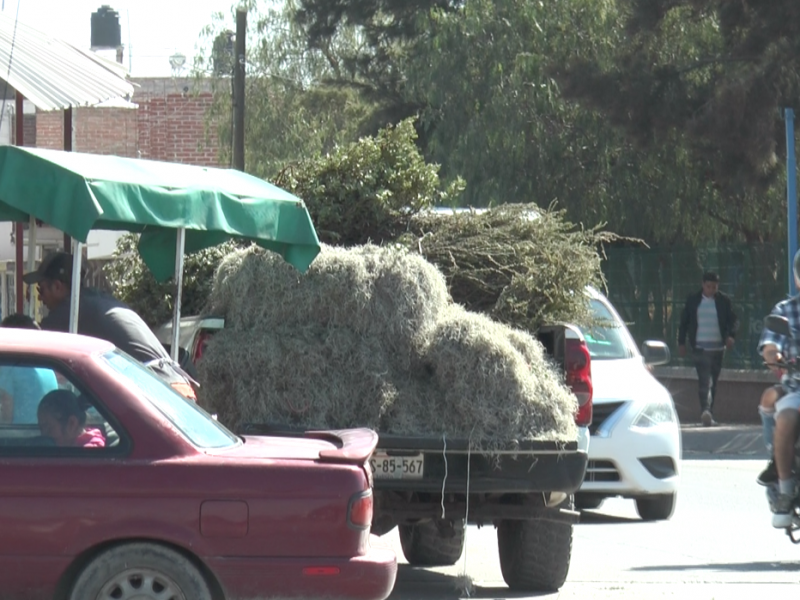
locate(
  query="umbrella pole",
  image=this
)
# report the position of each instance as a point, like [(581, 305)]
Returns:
[(32, 266), (176, 315), (75, 292)]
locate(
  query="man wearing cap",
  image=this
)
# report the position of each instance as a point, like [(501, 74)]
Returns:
[(711, 325), (102, 316)]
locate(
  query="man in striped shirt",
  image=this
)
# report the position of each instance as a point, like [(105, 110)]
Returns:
[(710, 324)]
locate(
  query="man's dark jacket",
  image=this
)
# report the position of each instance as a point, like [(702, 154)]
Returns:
[(728, 321)]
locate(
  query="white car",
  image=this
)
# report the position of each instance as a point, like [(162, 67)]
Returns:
[(635, 444)]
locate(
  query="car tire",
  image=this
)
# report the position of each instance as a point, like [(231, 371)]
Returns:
[(425, 545), (588, 501), (656, 508), (534, 554), (145, 570)]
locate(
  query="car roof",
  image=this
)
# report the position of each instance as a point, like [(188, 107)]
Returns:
[(50, 343)]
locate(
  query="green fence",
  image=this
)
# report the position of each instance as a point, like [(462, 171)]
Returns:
[(649, 286)]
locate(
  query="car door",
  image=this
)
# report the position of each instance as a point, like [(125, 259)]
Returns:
[(51, 476)]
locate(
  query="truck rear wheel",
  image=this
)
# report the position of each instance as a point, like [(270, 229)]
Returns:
[(426, 544), (534, 554)]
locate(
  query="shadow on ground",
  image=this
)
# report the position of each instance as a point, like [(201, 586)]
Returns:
[(743, 567), (417, 584)]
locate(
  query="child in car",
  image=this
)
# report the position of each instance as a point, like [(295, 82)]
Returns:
[(63, 419)]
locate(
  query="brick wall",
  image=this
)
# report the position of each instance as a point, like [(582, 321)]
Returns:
[(49, 130), (106, 131), (28, 130), (172, 128), (169, 125)]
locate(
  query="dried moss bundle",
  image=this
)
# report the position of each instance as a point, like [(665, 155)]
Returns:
[(370, 337), (518, 263), (486, 383), (300, 376), (379, 292)]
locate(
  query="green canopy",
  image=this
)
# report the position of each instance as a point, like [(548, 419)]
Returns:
[(76, 192)]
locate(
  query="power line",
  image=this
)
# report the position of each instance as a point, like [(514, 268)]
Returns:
[(10, 59)]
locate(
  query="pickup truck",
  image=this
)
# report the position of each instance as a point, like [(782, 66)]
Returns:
[(430, 488)]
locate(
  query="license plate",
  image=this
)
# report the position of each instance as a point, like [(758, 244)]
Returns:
[(396, 467)]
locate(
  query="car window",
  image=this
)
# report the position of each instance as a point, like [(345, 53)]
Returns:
[(609, 339), (191, 420), (40, 406)]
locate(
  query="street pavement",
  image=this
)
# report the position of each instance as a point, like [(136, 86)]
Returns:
[(719, 544)]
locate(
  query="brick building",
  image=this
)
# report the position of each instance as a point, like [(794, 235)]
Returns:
[(168, 123)]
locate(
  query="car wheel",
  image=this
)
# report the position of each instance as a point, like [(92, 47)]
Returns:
[(535, 554), (588, 501), (426, 545), (142, 571), (656, 508)]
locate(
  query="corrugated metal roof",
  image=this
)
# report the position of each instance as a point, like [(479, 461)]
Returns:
[(54, 74)]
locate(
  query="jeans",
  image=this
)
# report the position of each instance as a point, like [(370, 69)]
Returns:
[(709, 365), (788, 402)]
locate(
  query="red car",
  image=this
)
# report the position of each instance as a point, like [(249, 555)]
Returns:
[(138, 493)]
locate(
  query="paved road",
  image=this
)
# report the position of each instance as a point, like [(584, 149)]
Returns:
[(718, 545)]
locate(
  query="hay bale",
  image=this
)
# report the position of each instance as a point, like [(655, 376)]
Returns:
[(487, 389), (381, 292), (308, 376), (370, 337)]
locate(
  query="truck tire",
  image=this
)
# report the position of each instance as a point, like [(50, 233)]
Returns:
[(656, 508), (140, 570), (425, 545), (534, 554)]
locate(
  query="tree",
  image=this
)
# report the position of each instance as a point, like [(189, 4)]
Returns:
[(480, 77), (715, 71), (369, 191), (291, 113)]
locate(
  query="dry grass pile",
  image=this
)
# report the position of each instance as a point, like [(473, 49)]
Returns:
[(495, 382), (518, 263), (370, 337), (377, 292)]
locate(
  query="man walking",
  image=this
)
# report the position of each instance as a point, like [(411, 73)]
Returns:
[(711, 325)]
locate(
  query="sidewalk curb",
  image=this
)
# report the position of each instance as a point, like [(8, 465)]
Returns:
[(743, 440)]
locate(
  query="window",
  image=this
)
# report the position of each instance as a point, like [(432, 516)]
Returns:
[(192, 421), (40, 406), (609, 339)]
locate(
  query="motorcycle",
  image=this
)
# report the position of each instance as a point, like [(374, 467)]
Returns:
[(780, 326)]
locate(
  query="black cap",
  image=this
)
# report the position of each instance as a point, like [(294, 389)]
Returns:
[(56, 266), (710, 276)]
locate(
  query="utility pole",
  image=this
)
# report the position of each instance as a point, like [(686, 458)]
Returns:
[(240, 63)]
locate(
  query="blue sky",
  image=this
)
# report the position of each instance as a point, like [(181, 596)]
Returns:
[(158, 28)]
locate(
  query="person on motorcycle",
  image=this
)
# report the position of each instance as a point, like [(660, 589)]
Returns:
[(776, 348)]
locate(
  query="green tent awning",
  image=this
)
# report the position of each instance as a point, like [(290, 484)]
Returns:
[(77, 192)]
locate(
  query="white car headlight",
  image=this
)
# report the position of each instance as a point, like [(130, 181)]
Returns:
[(656, 413)]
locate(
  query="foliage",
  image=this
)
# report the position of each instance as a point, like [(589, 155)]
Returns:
[(370, 189), (291, 113), (717, 71), (132, 282), (518, 263), (485, 78)]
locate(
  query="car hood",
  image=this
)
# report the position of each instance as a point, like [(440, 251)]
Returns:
[(625, 379), (345, 446)]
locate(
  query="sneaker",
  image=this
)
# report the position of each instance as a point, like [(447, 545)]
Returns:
[(783, 509), (769, 475), (707, 419)]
